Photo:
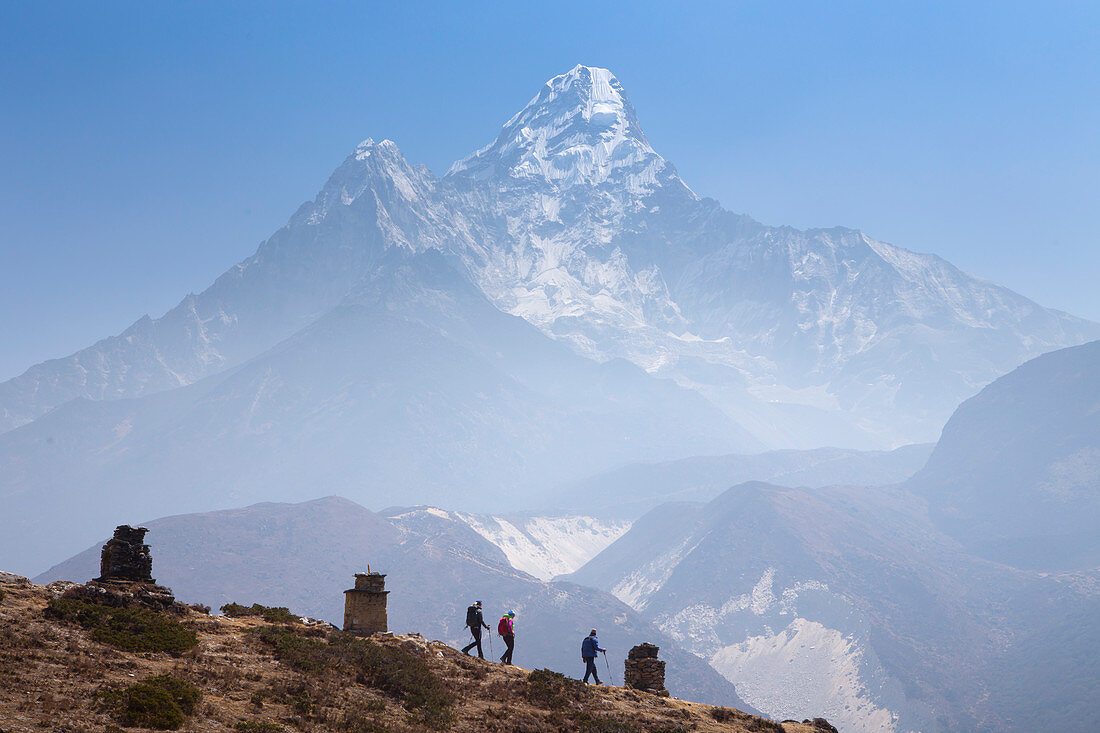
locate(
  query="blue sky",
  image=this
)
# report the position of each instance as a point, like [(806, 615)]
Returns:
[(146, 147)]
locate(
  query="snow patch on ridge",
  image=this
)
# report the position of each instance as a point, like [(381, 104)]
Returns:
[(635, 589), (696, 625), (546, 547), (805, 668)]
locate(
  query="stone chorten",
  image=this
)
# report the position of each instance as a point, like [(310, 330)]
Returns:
[(126, 557), (644, 671), (365, 604), (126, 575)]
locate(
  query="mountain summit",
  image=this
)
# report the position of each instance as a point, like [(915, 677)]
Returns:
[(571, 221), (558, 304), (579, 130)]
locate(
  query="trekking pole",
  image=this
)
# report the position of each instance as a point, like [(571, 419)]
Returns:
[(609, 675), (491, 653)]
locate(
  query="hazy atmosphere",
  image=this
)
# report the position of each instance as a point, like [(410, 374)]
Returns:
[(760, 340)]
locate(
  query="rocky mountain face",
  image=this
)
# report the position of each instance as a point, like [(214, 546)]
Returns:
[(965, 599), (414, 387), (1016, 476), (571, 220), (305, 555), (849, 600)]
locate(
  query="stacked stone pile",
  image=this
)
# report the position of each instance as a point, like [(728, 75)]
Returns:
[(125, 575), (644, 671), (126, 556)]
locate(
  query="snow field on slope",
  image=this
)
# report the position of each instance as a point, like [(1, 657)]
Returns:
[(547, 547), (805, 667)]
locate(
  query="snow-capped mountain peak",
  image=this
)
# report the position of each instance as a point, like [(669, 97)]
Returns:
[(593, 94), (375, 167), (364, 149), (580, 129), (571, 221)]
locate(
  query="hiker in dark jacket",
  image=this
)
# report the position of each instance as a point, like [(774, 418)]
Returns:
[(476, 622), (589, 648), (506, 627)]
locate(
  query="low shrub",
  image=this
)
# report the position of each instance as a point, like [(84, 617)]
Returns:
[(185, 694), (161, 702), (298, 652), (585, 723), (249, 726), (236, 610), (129, 629), (277, 615), (397, 673), (271, 614), (749, 722), (356, 723), (759, 725), (554, 690)]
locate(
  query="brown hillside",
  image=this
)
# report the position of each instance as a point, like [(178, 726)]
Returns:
[(252, 675)]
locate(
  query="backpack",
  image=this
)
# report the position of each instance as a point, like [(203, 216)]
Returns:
[(503, 627), (471, 617)]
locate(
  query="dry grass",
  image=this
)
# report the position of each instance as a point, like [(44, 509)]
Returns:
[(253, 675)]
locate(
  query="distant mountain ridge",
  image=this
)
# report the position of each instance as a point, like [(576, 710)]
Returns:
[(1016, 476), (966, 598), (956, 600), (849, 600), (304, 555), (571, 220), (414, 387)]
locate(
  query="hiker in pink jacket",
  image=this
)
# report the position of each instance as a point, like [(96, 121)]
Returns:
[(506, 627)]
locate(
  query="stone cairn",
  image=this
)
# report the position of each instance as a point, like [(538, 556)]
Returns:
[(126, 575), (126, 557), (644, 671), (365, 604)]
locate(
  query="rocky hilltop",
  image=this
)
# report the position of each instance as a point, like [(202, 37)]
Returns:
[(62, 669), (303, 555)]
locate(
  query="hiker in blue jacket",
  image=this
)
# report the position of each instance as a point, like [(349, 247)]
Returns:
[(589, 648)]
